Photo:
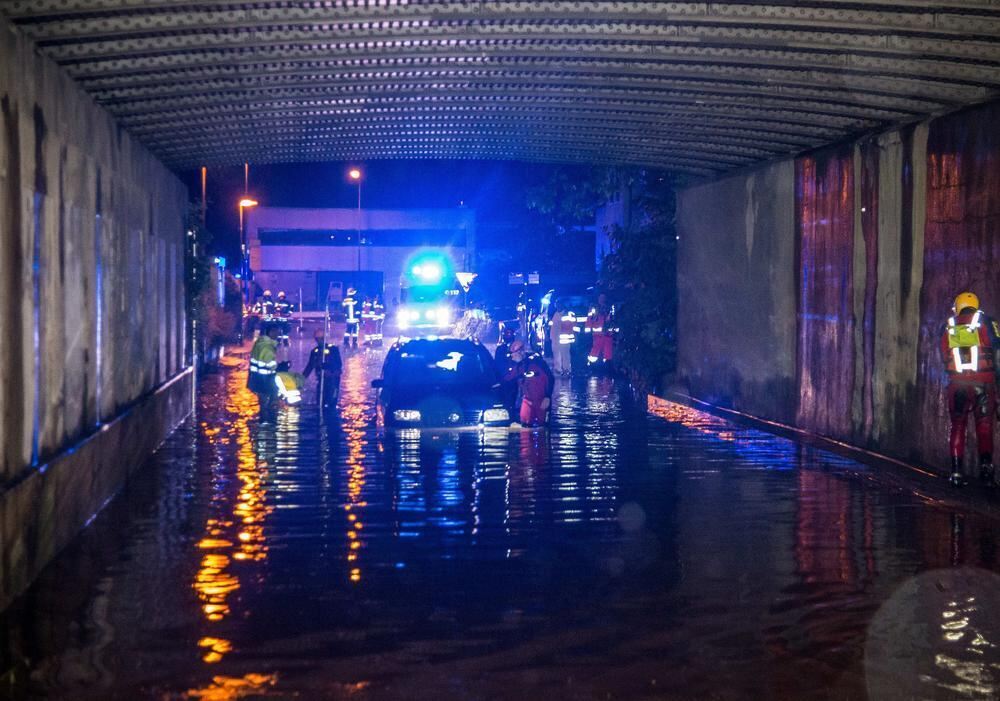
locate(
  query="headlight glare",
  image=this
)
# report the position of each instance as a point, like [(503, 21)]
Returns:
[(495, 414), (406, 415)]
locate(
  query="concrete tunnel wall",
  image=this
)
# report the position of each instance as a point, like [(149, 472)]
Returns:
[(813, 291), (93, 372)]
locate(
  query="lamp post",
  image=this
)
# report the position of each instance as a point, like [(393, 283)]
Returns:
[(245, 203), (355, 175)]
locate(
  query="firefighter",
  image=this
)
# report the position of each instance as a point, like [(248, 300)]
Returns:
[(599, 326), (325, 359), (378, 312), (367, 322), (283, 315), (265, 307), (564, 326), (351, 317), (264, 367), (535, 383), (969, 346)]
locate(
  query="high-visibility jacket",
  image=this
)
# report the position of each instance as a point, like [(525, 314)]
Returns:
[(283, 309), (599, 322), (263, 365), (968, 345), (265, 307), (350, 305), (289, 385), (565, 326)]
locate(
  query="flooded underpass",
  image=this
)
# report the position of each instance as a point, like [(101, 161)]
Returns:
[(622, 554)]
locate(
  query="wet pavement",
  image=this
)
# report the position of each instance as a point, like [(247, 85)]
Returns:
[(620, 555)]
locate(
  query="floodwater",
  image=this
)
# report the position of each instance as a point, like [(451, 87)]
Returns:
[(623, 554)]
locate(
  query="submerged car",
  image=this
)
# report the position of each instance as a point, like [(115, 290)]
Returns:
[(440, 383)]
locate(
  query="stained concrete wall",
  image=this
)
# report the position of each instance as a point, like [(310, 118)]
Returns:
[(92, 305), (736, 312), (834, 326)]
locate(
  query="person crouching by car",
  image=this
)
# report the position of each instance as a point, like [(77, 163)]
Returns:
[(535, 383)]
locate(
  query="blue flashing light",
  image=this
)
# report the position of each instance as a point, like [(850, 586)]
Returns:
[(429, 269), (429, 273)]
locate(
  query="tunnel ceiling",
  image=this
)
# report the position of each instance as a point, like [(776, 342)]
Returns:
[(699, 88)]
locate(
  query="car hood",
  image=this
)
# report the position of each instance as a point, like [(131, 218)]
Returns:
[(419, 397)]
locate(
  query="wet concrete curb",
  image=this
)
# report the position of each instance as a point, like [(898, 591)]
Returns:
[(45, 508), (921, 481)]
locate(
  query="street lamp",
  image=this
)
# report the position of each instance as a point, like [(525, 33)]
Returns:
[(355, 175), (245, 203)]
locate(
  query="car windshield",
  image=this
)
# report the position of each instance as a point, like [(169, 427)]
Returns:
[(442, 362)]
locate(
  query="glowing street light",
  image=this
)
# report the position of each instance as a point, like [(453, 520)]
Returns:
[(245, 203), (355, 175)]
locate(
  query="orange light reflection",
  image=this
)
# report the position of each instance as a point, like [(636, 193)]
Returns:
[(354, 399), (238, 537)]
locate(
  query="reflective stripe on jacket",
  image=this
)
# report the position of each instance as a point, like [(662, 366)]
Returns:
[(566, 327), (263, 365), (967, 347)]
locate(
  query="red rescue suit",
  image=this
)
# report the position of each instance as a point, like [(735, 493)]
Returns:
[(967, 347), (535, 384), (599, 326), (367, 323)]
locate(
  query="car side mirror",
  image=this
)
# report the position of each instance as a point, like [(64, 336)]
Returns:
[(378, 384)]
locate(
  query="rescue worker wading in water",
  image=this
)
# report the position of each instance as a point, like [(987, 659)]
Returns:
[(969, 345), (535, 384), (264, 368)]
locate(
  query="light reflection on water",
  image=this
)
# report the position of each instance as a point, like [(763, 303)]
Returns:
[(672, 554)]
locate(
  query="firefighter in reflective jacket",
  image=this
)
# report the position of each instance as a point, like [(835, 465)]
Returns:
[(599, 326), (367, 322), (378, 314), (351, 317), (969, 346), (265, 307), (283, 315), (565, 326), (264, 367)]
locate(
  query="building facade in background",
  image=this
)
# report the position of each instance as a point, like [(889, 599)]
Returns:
[(319, 252)]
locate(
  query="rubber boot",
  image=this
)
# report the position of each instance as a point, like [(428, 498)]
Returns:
[(956, 478)]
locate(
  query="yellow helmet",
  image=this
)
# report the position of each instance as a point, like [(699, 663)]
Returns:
[(966, 300)]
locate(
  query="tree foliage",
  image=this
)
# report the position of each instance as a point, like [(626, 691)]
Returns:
[(640, 278), (215, 324), (568, 198)]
